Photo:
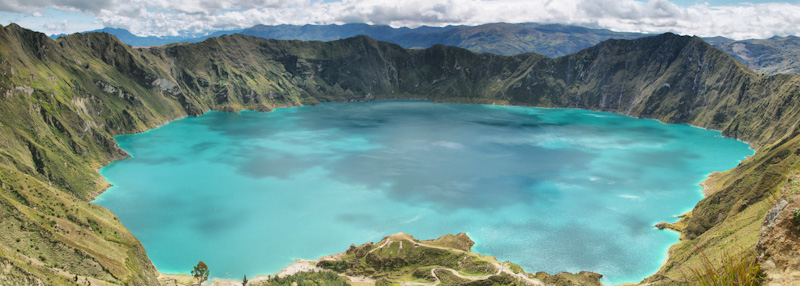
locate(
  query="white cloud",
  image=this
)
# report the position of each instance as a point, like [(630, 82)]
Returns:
[(172, 17), (59, 27), (33, 6)]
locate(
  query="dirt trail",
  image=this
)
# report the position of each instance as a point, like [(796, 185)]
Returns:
[(500, 269), (385, 243)]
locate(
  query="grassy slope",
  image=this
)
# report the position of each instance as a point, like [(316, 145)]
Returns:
[(57, 128), (63, 101)]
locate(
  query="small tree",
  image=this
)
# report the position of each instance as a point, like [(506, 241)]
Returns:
[(200, 272), (244, 281), (796, 214), (383, 282)]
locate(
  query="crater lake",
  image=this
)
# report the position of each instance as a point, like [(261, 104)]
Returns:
[(550, 189)]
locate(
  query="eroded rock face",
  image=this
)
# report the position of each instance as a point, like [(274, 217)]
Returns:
[(779, 245), (166, 85)]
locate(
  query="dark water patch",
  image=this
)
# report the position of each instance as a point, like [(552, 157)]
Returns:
[(267, 163), (455, 175), (203, 146)]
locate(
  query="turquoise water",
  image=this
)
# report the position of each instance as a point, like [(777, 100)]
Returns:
[(551, 189)]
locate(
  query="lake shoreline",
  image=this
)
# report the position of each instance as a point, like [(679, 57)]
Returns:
[(703, 183), (300, 265)]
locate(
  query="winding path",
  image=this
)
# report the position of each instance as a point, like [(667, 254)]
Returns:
[(500, 268)]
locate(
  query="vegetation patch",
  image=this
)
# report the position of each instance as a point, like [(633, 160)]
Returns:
[(732, 269), (312, 278)]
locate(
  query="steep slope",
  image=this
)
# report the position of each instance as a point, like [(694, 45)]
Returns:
[(64, 100)]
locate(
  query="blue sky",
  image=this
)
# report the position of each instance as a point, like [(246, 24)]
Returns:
[(729, 18), (52, 21), (724, 2)]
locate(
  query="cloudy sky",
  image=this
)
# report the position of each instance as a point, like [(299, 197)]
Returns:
[(729, 18)]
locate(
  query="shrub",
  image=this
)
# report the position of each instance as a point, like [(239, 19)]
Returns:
[(338, 265), (796, 213), (312, 278), (741, 269)]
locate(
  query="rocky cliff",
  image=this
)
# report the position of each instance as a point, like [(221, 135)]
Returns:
[(64, 100)]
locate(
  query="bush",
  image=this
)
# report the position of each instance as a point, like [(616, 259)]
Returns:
[(796, 213), (312, 278), (423, 273), (338, 265), (740, 270)]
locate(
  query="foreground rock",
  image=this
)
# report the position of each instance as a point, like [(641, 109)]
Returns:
[(778, 245)]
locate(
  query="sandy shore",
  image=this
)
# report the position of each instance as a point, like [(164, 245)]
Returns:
[(300, 265)]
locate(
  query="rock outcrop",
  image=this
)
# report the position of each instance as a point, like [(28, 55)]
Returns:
[(778, 246)]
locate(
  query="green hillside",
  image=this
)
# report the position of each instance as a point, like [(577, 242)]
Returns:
[(64, 100)]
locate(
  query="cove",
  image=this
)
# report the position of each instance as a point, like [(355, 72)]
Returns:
[(550, 189)]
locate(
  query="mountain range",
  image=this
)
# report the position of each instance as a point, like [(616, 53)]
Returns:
[(552, 40), (65, 99), (768, 56)]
